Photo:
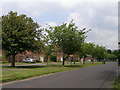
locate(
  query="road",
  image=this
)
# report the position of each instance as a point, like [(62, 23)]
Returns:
[(99, 76)]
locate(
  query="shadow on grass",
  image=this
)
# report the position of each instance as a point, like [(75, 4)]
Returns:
[(24, 67), (73, 65), (40, 66)]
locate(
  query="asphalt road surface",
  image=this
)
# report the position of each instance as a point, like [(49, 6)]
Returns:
[(99, 76)]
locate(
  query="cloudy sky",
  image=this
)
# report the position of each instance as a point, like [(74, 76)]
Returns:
[(99, 15)]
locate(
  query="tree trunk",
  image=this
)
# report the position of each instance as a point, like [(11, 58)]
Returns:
[(13, 60), (63, 62), (46, 59), (83, 60), (74, 61), (103, 62), (93, 62), (70, 62), (9, 59)]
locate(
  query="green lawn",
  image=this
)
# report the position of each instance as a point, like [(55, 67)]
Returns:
[(17, 63), (22, 72), (116, 85)]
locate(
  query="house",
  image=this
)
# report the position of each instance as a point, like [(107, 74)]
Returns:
[(38, 56)]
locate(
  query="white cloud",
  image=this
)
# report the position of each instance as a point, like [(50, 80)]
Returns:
[(51, 23), (69, 3), (79, 21), (0, 9), (34, 9), (59, 0), (101, 17), (102, 20), (75, 16), (112, 19), (91, 13), (104, 37)]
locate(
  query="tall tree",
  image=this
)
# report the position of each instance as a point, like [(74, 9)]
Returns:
[(96, 51), (100, 52), (19, 33), (68, 38), (109, 51), (48, 45), (87, 49)]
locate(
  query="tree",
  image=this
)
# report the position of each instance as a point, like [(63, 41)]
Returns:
[(19, 33), (48, 49), (100, 52), (96, 51), (109, 51), (111, 56), (48, 45), (87, 49), (116, 53), (68, 38)]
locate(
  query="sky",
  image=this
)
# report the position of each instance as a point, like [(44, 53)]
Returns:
[(99, 15)]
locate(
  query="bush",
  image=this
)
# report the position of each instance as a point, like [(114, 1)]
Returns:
[(116, 84), (4, 61), (0, 57), (53, 58), (37, 60)]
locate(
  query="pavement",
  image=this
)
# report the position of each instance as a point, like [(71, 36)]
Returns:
[(98, 76)]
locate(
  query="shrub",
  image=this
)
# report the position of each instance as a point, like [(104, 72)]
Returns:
[(53, 58), (0, 57), (4, 61), (37, 60)]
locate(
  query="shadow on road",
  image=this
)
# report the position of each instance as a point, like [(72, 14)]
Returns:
[(107, 75)]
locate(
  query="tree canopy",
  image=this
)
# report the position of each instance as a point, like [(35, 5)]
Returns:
[(19, 33), (67, 37)]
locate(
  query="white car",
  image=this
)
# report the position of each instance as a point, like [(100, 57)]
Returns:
[(29, 60), (88, 60)]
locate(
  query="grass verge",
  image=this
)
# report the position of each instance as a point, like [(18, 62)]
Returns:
[(23, 72), (116, 85)]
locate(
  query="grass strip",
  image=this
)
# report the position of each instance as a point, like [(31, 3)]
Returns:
[(116, 84), (33, 71)]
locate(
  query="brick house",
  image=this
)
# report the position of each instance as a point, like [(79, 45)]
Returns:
[(39, 56)]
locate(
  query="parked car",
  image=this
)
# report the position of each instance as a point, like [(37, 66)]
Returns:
[(88, 60), (29, 60)]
